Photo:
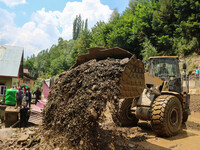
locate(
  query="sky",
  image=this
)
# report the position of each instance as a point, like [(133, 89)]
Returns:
[(37, 24)]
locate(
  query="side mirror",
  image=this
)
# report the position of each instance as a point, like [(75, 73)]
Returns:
[(184, 66)]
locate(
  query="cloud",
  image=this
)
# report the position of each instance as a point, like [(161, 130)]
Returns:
[(45, 27), (33, 36), (12, 3), (6, 24), (92, 10)]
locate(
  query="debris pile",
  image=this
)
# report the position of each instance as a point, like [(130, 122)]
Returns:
[(78, 99)]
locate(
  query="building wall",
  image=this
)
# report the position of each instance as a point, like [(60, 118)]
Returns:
[(15, 82), (9, 82), (26, 81)]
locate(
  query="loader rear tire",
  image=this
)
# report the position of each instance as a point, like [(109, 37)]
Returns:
[(124, 116), (166, 115)]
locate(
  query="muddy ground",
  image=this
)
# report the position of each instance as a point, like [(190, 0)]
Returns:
[(140, 137), (195, 103)]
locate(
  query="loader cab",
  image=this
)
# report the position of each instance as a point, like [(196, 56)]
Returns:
[(167, 69)]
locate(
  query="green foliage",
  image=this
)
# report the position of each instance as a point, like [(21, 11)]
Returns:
[(83, 42), (51, 62), (114, 16), (185, 47), (37, 84), (148, 50), (79, 26), (97, 35)]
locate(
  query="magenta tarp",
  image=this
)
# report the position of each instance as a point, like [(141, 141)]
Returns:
[(40, 105), (46, 90), (36, 112)]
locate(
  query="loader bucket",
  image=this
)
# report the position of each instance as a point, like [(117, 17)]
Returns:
[(132, 81), (100, 53)]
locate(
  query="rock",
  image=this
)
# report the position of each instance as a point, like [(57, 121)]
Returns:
[(81, 142), (22, 138), (124, 61), (94, 87), (131, 145), (94, 114)]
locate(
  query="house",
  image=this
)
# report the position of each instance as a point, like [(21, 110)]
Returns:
[(11, 67), (27, 79)]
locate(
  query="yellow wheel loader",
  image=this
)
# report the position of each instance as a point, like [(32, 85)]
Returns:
[(163, 101), (156, 95)]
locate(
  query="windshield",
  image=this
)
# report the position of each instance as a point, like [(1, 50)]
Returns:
[(165, 67)]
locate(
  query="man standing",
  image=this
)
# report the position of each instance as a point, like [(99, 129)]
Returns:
[(37, 95), (23, 116), (19, 97), (197, 73), (28, 98)]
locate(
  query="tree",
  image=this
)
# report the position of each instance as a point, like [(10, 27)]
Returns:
[(114, 16), (77, 27), (148, 50), (163, 24), (83, 43), (187, 13), (185, 47), (97, 35)]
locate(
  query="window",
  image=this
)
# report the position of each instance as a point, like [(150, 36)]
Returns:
[(2, 89), (169, 67)]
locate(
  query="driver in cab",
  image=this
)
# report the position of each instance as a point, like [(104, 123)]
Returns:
[(163, 69)]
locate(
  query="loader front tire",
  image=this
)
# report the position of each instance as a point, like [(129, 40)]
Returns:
[(166, 115), (124, 116)]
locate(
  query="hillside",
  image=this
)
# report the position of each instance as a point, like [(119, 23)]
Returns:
[(192, 62)]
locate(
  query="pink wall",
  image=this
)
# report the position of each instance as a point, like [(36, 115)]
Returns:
[(46, 90)]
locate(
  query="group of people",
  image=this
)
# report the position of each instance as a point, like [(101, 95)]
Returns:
[(24, 97)]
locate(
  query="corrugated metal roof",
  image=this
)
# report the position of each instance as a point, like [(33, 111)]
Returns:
[(10, 60), (25, 71)]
